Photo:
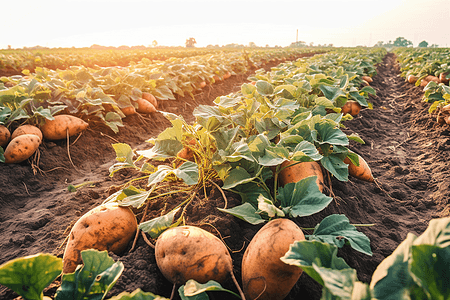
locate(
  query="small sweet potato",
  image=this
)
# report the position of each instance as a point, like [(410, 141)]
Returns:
[(189, 252), (57, 129), (443, 77), (264, 275), (351, 107), (106, 227), (145, 107), (362, 172), (129, 110), (21, 148), (150, 98), (368, 79), (5, 135), (27, 129), (412, 79)]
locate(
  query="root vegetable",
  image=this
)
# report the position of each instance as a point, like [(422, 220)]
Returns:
[(21, 148), (150, 98), (226, 75), (145, 107), (58, 128), (27, 129), (362, 171), (351, 107), (367, 78), (129, 110), (106, 227), (299, 171), (412, 79), (443, 77), (189, 252), (264, 275), (5, 135)]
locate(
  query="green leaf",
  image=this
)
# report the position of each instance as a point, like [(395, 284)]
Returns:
[(303, 198), (250, 192), (244, 212), (264, 88), (162, 149), (192, 288), (124, 153), (28, 276), (430, 267), (210, 117), (336, 166), (158, 225), (2, 154), (331, 92), (236, 177), (188, 172), (326, 132), (335, 229), (135, 200), (306, 254), (338, 282), (305, 151), (265, 205), (138, 294), (93, 279)]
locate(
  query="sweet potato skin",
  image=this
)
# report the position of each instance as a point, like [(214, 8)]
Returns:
[(105, 227), (189, 252), (300, 171), (5, 136), (145, 107), (21, 148), (362, 172), (263, 273), (57, 129), (27, 129), (351, 107), (150, 98)]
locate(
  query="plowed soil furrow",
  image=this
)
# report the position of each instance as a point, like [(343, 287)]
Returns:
[(406, 149)]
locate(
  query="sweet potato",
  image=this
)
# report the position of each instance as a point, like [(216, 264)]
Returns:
[(150, 98), (58, 128), (367, 78), (189, 252), (226, 75), (106, 227), (300, 171), (129, 110), (362, 171), (412, 79), (145, 107), (5, 135), (27, 129), (264, 275), (21, 148), (351, 107), (443, 77)]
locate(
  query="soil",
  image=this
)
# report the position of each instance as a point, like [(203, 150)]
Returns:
[(405, 148)]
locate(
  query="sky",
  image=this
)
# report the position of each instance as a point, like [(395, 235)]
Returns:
[(347, 23)]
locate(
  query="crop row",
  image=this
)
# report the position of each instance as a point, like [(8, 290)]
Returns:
[(430, 69)]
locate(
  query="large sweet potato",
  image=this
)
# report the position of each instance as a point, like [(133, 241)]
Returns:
[(21, 148), (58, 128)]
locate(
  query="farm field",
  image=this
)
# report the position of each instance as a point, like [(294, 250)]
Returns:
[(405, 147)]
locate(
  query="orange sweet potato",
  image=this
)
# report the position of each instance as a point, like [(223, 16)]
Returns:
[(106, 227), (27, 129), (264, 275), (150, 98), (21, 148), (351, 107), (412, 79), (299, 171), (5, 135), (129, 110), (367, 79), (362, 172), (145, 107), (62, 125)]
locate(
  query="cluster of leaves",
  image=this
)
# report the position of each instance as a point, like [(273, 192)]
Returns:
[(417, 269), (289, 114), (98, 94)]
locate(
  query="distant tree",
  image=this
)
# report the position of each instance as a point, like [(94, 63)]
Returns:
[(311, 44), (379, 44), (154, 43), (298, 44), (252, 45), (423, 44), (190, 42), (434, 46), (402, 42)]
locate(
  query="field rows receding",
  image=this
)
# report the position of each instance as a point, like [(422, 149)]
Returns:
[(404, 147)]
